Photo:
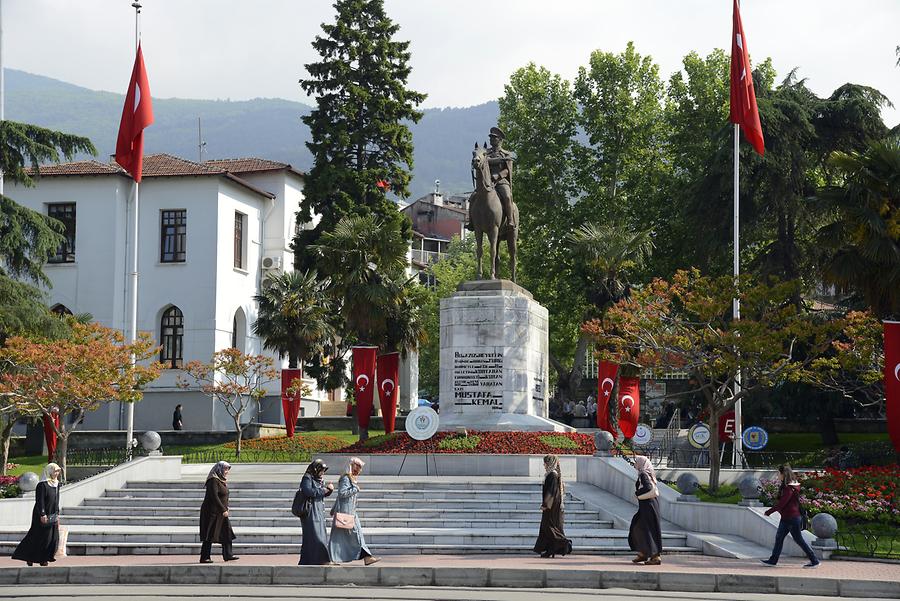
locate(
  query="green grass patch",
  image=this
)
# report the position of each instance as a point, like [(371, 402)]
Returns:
[(559, 442), (29, 463), (374, 441), (727, 494), (868, 539), (459, 443)]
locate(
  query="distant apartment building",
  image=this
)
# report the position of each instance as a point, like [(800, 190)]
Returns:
[(436, 220)]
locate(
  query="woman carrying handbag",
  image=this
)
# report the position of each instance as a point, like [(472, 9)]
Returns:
[(313, 490), (645, 534), (41, 542), (347, 541)]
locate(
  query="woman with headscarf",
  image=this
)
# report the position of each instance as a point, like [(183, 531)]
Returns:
[(645, 534), (39, 545), (551, 536), (347, 542), (215, 527), (314, 547)]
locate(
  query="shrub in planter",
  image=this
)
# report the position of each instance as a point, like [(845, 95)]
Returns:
[(456, 442)]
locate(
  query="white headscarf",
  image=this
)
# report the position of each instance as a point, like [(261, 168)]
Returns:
[(644, 466), (218, 471), (348, 470), (49, 474)]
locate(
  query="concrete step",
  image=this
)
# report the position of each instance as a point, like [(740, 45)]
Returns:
[(371, 483), (364, 503), (480, 495)]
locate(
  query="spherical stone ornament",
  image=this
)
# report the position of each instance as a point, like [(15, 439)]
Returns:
[(603, 440), (150, 441), (28, 481), (687, 483), (824, 525), (749, 487)]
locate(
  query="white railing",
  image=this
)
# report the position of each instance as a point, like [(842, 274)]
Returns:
[(427, 256)]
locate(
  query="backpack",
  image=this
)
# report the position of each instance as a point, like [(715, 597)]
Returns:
[(301, 505)]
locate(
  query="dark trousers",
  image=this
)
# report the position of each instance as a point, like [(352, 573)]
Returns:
[(206, 549), (792, 526)]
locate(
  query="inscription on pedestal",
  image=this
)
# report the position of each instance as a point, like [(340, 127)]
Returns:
[(478, 381)]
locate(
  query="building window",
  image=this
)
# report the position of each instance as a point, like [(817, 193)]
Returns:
[(172, 338), (64, 212), (238, 330), (234, 335), (239, 240), (173, 232)]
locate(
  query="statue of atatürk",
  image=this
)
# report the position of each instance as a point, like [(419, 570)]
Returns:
[(501, 163)]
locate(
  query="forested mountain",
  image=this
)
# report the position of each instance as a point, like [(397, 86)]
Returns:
[(269, 128)]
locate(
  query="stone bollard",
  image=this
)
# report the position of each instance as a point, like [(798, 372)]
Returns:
[(27, 483), (687, 484), (151, 441), (824, 526), (603, 441), (749, 487)]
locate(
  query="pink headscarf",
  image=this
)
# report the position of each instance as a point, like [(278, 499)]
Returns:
[(644, 466)]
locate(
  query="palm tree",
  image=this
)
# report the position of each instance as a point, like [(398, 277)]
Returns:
[(863, 241), (293, 316)]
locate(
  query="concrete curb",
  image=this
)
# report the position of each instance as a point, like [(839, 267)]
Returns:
[(450, 577)]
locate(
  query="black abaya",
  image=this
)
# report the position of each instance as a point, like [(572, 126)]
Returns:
[(645, 534), (551, 536), (40, 544)]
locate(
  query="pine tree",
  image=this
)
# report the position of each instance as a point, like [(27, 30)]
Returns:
[(361, 145)]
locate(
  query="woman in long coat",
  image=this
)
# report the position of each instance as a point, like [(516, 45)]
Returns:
[(215, 527), (348, 544), (551, 536), (39, 545), (314, 548), (645, 534)]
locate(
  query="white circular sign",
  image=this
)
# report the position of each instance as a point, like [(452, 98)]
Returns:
[(422, 423), (643, 435), (699, 436)]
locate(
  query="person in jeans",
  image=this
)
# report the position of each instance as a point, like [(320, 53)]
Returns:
[(789, 507)]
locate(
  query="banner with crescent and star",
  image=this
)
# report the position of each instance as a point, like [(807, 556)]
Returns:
[(892, 379), (364, 382), (388, 389), (629, 405), (290, 399), (606, 381)]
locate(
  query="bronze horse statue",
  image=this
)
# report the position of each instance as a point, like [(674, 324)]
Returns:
[(486, 217)]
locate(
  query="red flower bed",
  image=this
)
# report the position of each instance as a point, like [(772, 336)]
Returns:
[(499, 443)]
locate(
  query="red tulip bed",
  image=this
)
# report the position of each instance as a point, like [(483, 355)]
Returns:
[(312, 442), (493, 443), (9, 486)]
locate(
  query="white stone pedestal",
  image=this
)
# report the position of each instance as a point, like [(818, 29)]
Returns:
[(494, 359)]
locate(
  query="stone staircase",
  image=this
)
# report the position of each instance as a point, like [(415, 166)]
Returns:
[(409, 515)]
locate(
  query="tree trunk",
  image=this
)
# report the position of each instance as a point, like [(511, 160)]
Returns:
[(569, 380), (4, 443), (240, 432), (292, 361), (828, 429), (62, 446), (714, 463), (354, 423)]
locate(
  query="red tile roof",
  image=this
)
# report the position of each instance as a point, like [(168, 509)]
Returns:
[(250, 165), (78, 168)]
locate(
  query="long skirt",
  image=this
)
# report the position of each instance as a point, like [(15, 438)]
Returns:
[(551, 536), (645, 534), (314, 547), (39, 545)]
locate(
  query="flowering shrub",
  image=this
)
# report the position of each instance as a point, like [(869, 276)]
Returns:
[(459, 443), (9, 487), (312, 443), (501, 443), (11, 466), (860, 494)]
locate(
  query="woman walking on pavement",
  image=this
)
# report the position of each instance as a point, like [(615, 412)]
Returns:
[(314, 546), (789, 507), (215, 527), (645, 534), (551, 536), (39, 545), (347, 542)]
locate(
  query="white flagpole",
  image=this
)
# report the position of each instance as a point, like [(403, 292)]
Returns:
[(2, 92), (737, 445), (133, 300)]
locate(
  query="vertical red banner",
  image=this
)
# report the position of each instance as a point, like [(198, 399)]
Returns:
[(629, 405), (892, 379), (606, 381), (389, 388), (290, 403), (364, 382), (50, 434)]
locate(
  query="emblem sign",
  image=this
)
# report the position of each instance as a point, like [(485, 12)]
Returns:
[(699, 436), (755, 438), (643, 435), (422, 423)]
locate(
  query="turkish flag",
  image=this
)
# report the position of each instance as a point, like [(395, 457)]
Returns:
[(50, 434), (606, 380), (136, 115), (743, 97), (364, 382), (892, 379), (629, 405), (290, 403), (388, 388)]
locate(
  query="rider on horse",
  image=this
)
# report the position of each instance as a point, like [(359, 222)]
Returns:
[(500, 162)]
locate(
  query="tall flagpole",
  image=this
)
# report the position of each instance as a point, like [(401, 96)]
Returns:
[(133, 300), (737, 441), (2, 87)]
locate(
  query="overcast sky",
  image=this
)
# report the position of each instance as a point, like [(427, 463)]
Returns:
[(463, 51)]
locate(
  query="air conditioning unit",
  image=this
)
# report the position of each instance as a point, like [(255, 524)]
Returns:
[(271, 263)]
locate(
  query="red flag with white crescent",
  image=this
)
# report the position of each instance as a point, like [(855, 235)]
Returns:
[(290, 403), (136, 115), (364, 382), (892, 379), (388, 388), (606, 381), (743, 96), (629, 405)]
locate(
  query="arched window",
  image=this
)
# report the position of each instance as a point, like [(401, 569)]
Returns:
[(171, 337), (238, 330), (61, 310)]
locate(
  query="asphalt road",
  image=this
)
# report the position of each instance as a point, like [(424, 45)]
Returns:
[(326, 593)]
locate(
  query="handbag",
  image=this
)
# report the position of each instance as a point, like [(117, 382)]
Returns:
[(344, 521), (301, 505), (52, 518), (650, 494)]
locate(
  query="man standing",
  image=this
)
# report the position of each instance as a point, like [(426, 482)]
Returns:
[(500, 162), (176, 418)]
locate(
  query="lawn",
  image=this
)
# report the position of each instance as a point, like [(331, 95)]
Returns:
[(30, 463), (274, 449)]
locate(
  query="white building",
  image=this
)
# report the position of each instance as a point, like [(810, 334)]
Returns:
[(208, 234)]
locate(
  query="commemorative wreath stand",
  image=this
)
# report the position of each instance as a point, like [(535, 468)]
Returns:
[(422, 424)]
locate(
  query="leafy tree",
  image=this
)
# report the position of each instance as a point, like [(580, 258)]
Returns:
[(74, 374), (687, 325), (293, 317), (360, 142), (235, 380)]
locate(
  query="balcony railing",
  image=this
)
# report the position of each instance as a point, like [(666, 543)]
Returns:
[(427, 256)]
